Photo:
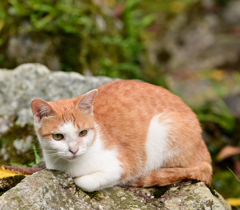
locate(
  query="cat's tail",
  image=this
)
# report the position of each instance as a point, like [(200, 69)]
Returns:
[(166, 176)]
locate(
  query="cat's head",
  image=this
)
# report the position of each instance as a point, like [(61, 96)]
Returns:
[(65, 128)]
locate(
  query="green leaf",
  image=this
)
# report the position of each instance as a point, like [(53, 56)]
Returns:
[(234, 174), (37, 158)]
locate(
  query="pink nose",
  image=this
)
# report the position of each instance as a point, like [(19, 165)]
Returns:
[(73, 150)]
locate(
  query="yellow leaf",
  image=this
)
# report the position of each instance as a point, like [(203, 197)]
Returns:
[(6, 173), (233, 201), (218, 75), (1, 25)]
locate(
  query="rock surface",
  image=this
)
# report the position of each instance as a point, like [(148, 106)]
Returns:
[(53, 190)]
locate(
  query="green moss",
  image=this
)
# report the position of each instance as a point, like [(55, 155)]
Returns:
[(213, 191), (190, 198), (2, 192), (16, 132), (226, 184), (7, 183), (159, 191), (6, 141), (92, 195), (209, 204), (78, 190), (130, 201), (95, 195)]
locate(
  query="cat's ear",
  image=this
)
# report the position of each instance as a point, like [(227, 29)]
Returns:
[(86, 102), (40, 109)]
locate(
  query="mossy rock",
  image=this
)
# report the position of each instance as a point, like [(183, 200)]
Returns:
[(7, 183), (49, 189), (17, 145)]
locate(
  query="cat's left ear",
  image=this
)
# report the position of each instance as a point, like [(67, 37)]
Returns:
[(86, 102), (40, 109)]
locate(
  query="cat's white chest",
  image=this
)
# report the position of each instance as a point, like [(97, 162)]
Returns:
[(96, 169), (97, 158)]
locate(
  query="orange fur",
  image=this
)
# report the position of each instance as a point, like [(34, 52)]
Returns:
[(123, 110)]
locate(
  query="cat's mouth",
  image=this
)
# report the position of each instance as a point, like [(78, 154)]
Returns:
[(74, 157)]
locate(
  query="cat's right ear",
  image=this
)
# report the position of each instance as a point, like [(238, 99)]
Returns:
[(86, 103), (40, 109)]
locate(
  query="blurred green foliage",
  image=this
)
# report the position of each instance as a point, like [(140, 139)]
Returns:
[(218, 114), (37, 157), (91, 36), (226, 183), (219, 126)]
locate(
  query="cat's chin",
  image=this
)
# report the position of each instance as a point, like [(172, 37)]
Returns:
[(73, 158)]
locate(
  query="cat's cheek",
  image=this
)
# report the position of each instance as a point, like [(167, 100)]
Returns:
[(52, 144), (45, 143), (89, 138), (59, 145)]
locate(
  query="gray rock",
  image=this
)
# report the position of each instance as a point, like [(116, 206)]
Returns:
[(44, 49), (197, 88), (40, 164), (29, 81), (233, 101), (49, 189)]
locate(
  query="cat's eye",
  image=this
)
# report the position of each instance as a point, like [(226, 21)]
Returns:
[(57, 136), (83, 133)]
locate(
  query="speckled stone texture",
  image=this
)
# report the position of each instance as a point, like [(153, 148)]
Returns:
[(52, 190)]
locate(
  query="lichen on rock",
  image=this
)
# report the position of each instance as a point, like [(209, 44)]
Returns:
[(50, 189)]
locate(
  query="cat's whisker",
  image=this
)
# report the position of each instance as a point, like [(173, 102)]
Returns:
[(57, 158), (50, 150)]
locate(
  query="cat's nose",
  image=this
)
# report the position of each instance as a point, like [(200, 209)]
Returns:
[(73, 150)]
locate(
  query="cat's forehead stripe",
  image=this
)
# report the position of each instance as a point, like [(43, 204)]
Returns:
[(68, 126)]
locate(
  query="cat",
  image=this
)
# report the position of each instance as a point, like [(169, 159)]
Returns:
[(123, 133)]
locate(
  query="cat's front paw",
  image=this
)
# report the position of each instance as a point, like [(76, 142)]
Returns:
[(87, 183)]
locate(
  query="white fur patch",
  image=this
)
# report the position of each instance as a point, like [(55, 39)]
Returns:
[(96, 169), (157, 145), (58, 152), (71, 136)]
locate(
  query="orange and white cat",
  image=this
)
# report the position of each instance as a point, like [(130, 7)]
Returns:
[(124, 132)]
